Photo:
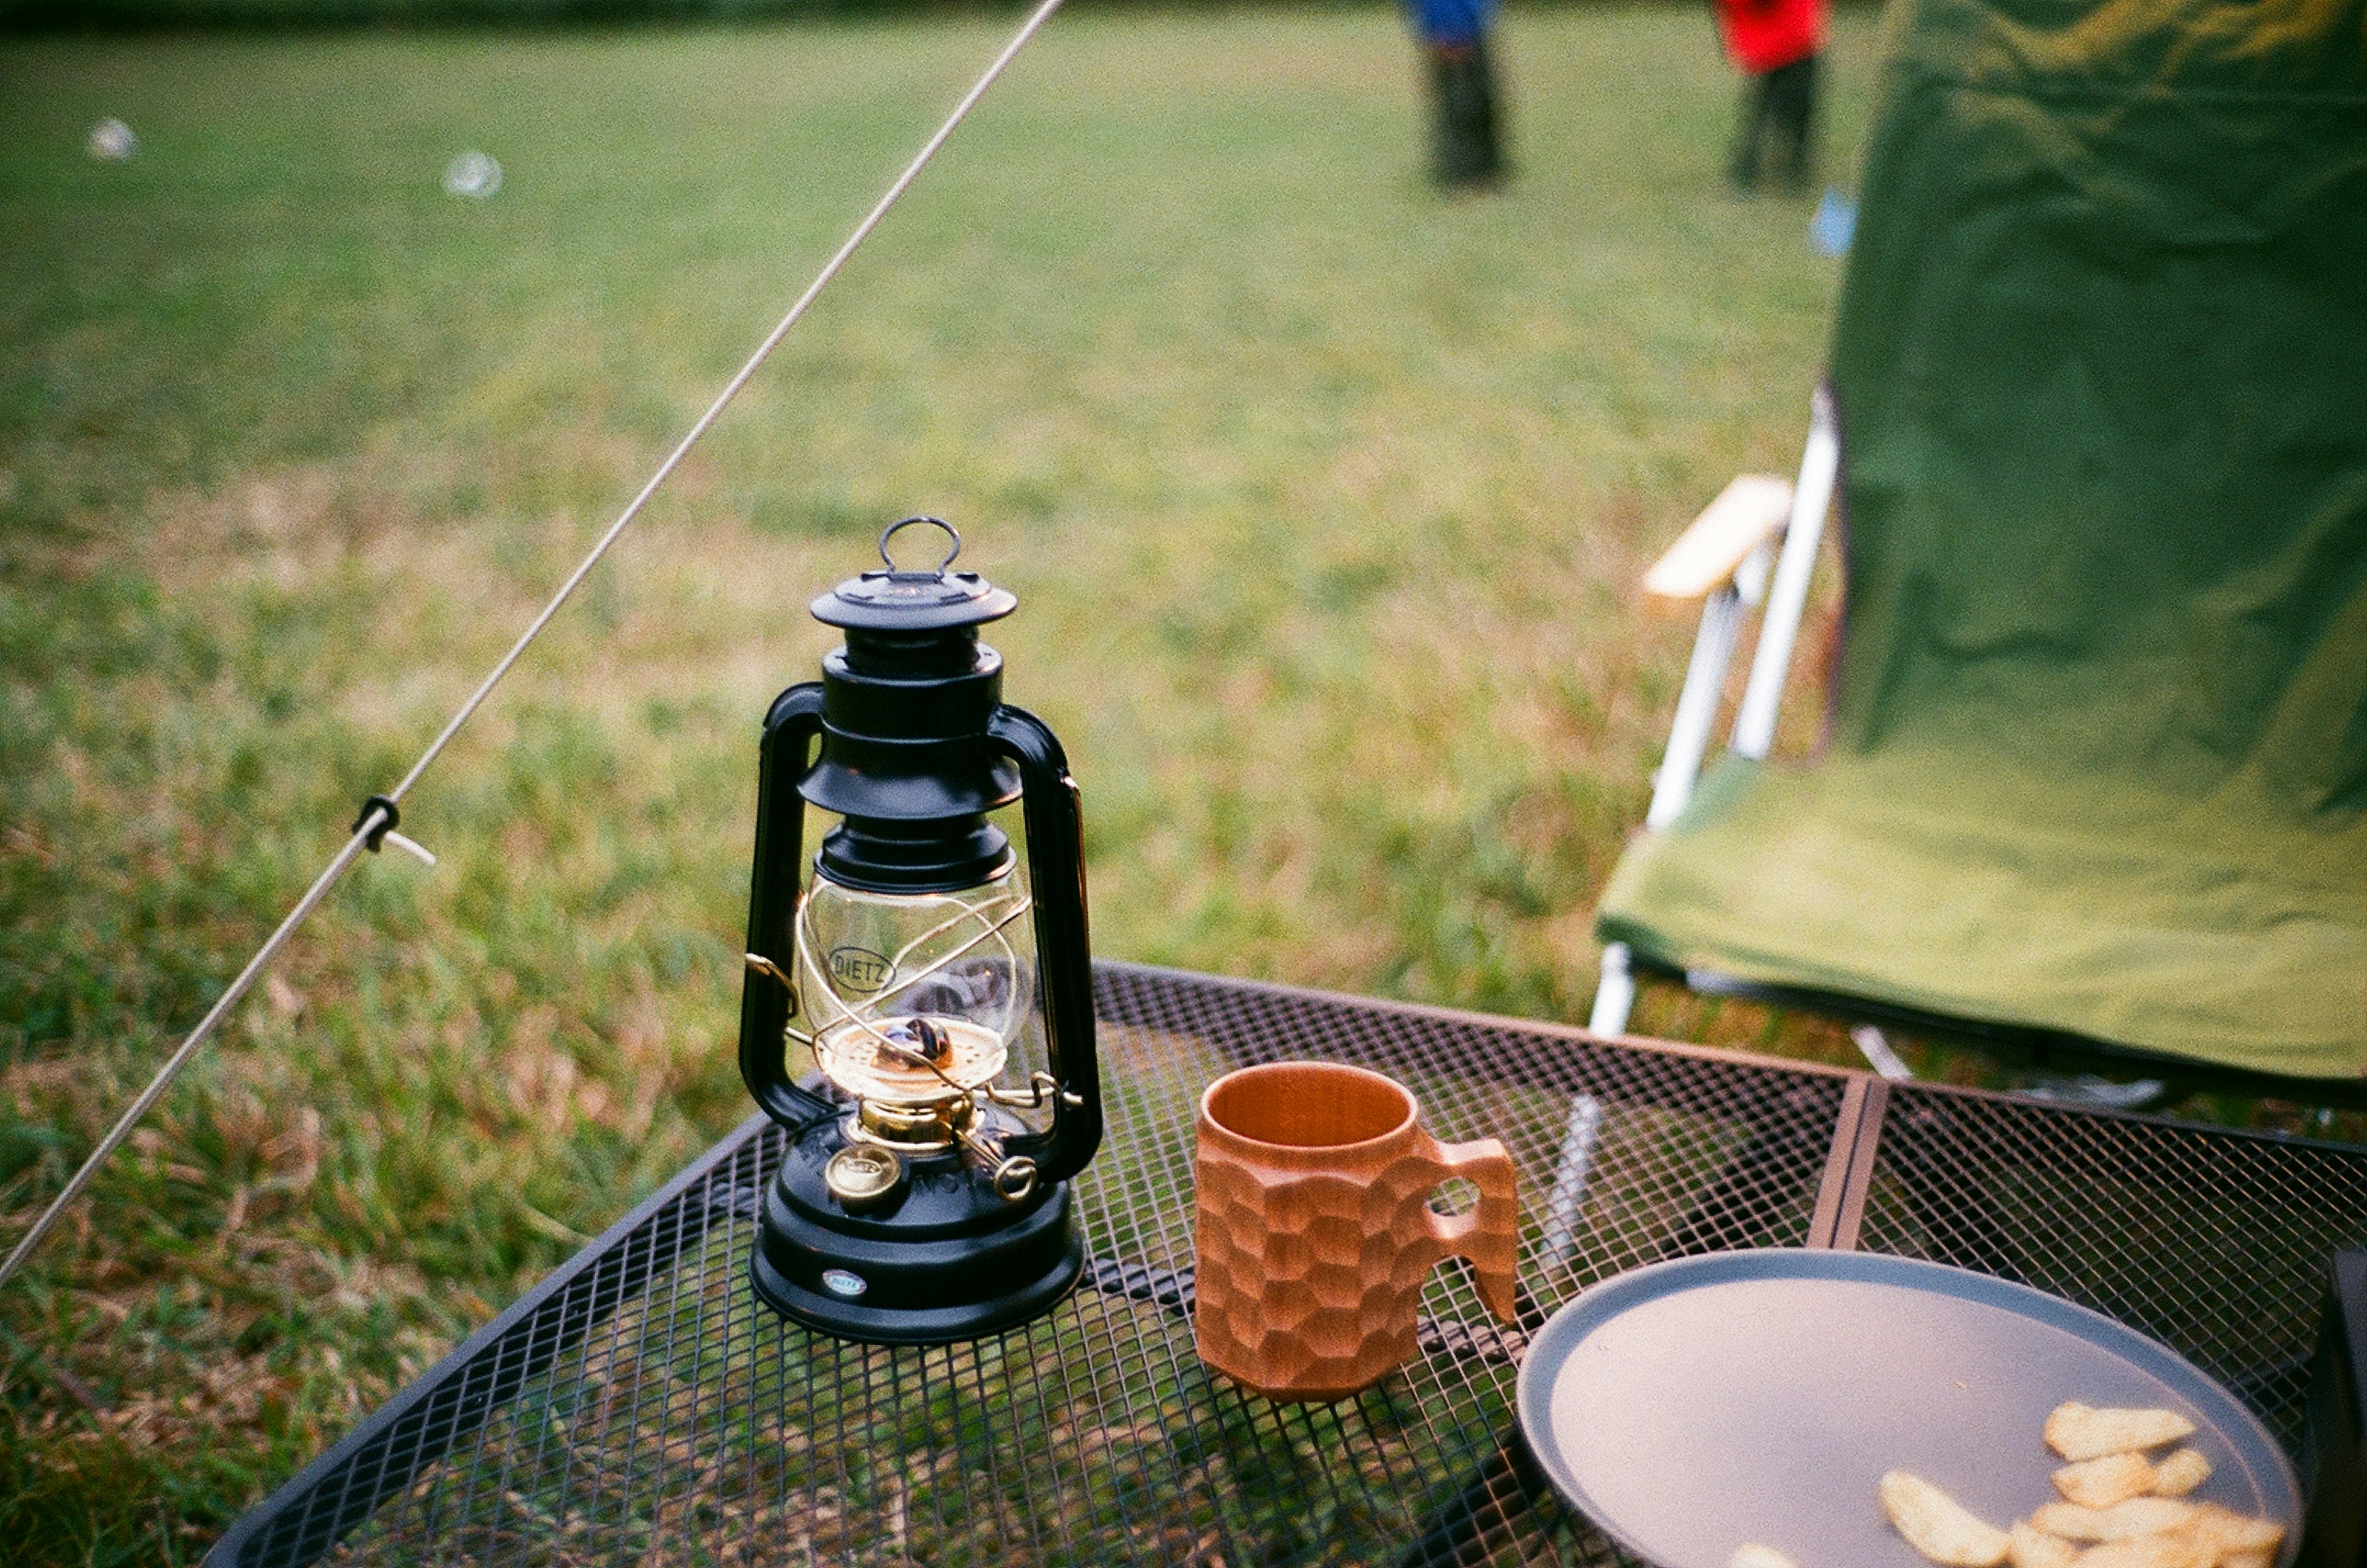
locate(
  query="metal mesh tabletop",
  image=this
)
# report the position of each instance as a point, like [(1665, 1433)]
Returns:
[(641, 1405)]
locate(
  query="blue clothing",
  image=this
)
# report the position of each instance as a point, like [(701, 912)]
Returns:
[(1453, 23)]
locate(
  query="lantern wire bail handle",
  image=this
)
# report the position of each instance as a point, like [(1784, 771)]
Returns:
[(952, 535)]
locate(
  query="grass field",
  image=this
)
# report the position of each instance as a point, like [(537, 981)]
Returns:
[(1323, 497)]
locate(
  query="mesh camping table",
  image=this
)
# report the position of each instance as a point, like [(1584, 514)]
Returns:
[(640, 1405)]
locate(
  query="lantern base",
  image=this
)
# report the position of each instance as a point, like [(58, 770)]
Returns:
[(909, 1277)]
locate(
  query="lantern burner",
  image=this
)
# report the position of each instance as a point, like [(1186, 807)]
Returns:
[(910, 1061)]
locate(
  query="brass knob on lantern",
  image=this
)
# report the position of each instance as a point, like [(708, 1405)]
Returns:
[(864, 1177)]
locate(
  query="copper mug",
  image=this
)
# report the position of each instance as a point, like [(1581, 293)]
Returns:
[(1316, 1231)]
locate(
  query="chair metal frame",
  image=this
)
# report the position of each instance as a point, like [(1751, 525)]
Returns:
[(1801, 529)]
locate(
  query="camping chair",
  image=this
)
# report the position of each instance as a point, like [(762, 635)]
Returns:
[(2093, 782)]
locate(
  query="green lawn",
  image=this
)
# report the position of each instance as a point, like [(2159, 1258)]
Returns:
[(1324, 497)]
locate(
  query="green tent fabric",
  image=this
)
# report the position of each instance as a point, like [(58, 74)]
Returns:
[(2097, 756)]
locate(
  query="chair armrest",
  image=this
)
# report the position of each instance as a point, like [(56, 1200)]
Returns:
[(1747, 512)]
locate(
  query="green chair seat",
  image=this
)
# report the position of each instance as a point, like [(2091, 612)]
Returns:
[(2126, 917)]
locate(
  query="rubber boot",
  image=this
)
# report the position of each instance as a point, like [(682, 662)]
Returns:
[(1463, 96)]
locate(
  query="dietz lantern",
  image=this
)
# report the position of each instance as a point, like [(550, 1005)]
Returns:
[(893, 1010)]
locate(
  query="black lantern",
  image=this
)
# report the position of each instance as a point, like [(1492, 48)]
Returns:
[(889, 1010)]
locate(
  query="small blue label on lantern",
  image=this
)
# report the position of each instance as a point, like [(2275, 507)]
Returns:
[(840, 1282)]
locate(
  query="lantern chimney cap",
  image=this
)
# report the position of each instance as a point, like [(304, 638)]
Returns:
[(900, 599)]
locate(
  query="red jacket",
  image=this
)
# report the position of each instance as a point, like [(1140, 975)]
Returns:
[(1763, 34)]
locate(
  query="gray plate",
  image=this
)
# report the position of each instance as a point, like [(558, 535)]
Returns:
[(1690, 1406)]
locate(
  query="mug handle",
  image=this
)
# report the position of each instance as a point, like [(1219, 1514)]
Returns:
[(1490, 1234)]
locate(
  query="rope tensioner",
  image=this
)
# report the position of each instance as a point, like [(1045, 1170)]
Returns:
[(389, 813)]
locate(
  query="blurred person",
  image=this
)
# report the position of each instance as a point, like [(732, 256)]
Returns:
[(1462, 90), (1775, 44)]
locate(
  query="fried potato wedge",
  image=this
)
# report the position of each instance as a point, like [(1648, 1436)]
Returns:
[(2027, 1546), (2229, 1531), (2135, 1517), (2169, 1549), (2077, 1432), (2247, 1560), (1751, 1554), (2101, 1482), (2180, 1473), (1938, 1525)]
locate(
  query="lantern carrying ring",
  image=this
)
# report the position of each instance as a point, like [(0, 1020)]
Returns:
[(952, 534)]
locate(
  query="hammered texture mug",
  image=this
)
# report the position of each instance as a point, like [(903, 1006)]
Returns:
[(1315, 1232)]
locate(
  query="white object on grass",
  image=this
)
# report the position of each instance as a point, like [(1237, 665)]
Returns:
[(474, 174), (112, 141)]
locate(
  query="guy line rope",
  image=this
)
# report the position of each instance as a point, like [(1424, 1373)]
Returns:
[(381, 812)]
